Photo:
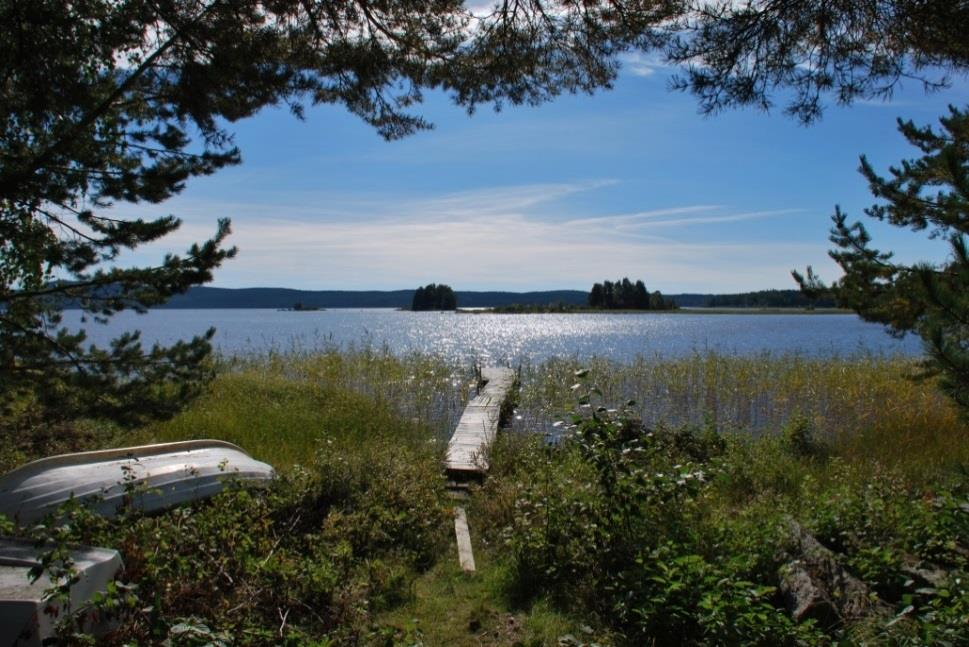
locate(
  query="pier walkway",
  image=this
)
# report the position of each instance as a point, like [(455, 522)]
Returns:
[(479, 424), (465, 451)]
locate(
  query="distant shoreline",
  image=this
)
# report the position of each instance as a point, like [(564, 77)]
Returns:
[(204, 297), (678, 311), (473, 310), (765, 311)]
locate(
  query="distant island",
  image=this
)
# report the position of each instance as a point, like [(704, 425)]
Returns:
[(284, 298), (299, 306), (621, 295), (434, 297), (626, 295)]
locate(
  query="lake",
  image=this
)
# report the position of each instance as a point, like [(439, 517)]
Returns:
[(512, 339)]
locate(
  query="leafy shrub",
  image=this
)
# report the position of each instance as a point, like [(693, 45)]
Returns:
[(612, 523), (294, 563), (386, 499)]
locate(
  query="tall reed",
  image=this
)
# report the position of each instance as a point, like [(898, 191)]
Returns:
[(280, 405), (863, 406)]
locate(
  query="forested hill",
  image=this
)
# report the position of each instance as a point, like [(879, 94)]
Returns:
[(207, 297), (767, 299)]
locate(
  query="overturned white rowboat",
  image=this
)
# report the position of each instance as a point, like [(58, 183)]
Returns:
[(150, 478)]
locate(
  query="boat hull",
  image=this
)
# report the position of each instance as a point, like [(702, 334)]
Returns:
[(149, 478), (28, 616)]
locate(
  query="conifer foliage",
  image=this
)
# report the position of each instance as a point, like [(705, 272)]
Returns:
[(626, 295), (798, 51), (105, 104), (434, 297), (929, 194)]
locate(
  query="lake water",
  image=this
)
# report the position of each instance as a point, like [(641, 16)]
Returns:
[(494, 338)]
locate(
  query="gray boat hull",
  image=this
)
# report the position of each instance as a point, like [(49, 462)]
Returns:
[(150, 478)]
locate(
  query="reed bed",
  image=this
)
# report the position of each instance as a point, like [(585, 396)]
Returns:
[(421, 388), (865, 407), (282, 407)]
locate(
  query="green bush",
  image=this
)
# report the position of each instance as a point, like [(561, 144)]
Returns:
[(612, 523), (679, 536), (387, 498), (298, 562)]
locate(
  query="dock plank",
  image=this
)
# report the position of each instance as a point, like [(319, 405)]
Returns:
[(479, 423), (463, 535), (465, 451)]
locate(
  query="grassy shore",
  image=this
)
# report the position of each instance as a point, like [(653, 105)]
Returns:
[(867, 408), (676, 529)]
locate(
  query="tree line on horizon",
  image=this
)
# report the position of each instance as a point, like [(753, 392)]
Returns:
[(626, 295), (434, 297), (770, 299)]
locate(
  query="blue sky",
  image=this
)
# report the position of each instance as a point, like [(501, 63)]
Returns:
[(628, 182)]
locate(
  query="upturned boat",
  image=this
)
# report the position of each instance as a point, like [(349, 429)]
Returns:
[(149, 478)]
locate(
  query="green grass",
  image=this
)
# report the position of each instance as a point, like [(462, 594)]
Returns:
[(869, 408), (279, 408), (358, 530), (453, 608)]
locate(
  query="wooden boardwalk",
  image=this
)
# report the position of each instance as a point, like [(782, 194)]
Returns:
[(478, 424), (465, 451)]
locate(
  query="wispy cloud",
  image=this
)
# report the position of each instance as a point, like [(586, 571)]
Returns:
[(638, 218), (642, 64), (730, 217), (503, 237), (481, 203)]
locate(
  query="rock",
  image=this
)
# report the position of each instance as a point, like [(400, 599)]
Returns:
[(815, 585), (925, 577), (804, 598)]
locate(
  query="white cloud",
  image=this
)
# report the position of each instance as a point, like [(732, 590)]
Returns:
[(642, 64), (496, 238), (481, 203), (480, 8)]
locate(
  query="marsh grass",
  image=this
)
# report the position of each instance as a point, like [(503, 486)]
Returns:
[(280, 407), (865, 408)]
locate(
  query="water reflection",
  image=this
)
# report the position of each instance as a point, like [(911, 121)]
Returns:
[(511, 339)]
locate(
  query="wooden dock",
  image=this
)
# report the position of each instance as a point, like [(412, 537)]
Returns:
[(478, 425), (465, 451)]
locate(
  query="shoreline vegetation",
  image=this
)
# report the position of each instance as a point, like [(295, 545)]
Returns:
[(662, 508), (434, 297), (204, 297), (564, 308), (302, 307)]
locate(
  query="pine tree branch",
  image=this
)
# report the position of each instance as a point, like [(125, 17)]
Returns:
[(72, 359), (44, 158)]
